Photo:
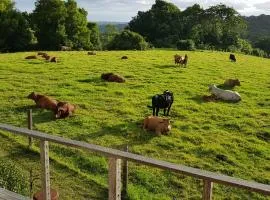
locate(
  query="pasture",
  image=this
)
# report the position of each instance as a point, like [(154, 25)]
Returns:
[(229, 138)]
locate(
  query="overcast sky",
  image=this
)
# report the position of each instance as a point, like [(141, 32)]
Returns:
[(124, 10)]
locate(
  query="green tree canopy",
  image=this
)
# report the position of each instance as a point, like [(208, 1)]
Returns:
[(78, 34), (127, 40), (161, 25), (49, 19), (15, 31)]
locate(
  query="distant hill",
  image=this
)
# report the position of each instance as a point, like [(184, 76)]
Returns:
[(258, 26), (119, 25)]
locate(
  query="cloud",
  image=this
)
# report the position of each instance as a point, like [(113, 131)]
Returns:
[(124, 10), (263, 6)]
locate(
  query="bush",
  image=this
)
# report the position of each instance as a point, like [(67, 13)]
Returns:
[(185, 45), (244, 46), (258, 52), (12, 178), (128, 40)]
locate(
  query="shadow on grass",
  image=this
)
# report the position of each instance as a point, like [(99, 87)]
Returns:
[(91, 80), (132, 131), (39, 115)]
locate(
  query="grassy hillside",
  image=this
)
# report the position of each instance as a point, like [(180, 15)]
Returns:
[(111, 114)]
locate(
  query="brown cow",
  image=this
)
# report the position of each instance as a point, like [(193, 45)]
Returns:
[(31, 57), (43, 101), (41, 54), (64, 109), (112, 78), (54, 59), (157, 124), (178, 59), (91, 53)]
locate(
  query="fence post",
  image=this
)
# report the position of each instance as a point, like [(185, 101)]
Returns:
[(207, 189), (30, 126), (125, 176), (114, 178), (45, 170)]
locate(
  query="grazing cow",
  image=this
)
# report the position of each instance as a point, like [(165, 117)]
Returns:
[(226, 95), (124, 57), (65, 48), (231, 83), (157, 124), (31, 57), (92, 53), (178, 59), (64, 109), (184, 61), (53, 59), (112, 78), (164, 101), (232, 58), (43, 101)]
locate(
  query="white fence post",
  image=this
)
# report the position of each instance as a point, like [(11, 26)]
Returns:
[(45, 168)]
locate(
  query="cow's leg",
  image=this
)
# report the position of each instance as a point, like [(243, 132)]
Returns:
[(157, 110), (153, 111), (169, 109), (164, 111)]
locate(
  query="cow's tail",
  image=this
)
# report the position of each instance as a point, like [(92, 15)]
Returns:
[(149, 106)]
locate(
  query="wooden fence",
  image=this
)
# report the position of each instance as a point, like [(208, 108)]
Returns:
[(115, 159)]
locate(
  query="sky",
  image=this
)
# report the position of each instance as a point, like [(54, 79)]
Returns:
[(124, 10)]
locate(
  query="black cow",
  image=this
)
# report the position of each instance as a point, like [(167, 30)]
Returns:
[(232, 57), (164, 101)]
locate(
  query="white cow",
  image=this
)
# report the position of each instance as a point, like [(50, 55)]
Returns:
[(226, 95)]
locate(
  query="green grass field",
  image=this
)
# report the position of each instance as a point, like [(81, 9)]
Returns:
[(111, 115)]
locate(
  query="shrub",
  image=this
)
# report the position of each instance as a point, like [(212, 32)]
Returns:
[(128, 40), (185, 45), (244, 46), (258, 52), (12, 178)]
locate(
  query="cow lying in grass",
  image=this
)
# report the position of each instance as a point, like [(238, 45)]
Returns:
[(157, 124), (226, 95), (164, 101), (43, 101), (112, 78), (64, 109)]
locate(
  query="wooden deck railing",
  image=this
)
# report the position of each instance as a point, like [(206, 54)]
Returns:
[(115, 158)]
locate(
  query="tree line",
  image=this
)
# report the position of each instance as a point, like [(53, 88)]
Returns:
[(56, 23)]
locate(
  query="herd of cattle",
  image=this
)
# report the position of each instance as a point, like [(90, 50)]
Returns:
[(159, 101)]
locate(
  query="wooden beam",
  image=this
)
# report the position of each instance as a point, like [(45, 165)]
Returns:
[(207, 189), (114, 178), (190, 171), (30, 127), (45, 175)]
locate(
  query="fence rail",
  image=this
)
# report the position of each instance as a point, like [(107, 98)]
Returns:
[(115, 157)]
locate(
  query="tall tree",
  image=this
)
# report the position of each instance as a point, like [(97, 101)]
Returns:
[(161, 25), (15, 31), (107, 36), (94, 36), (78, 34), (49, 19)]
